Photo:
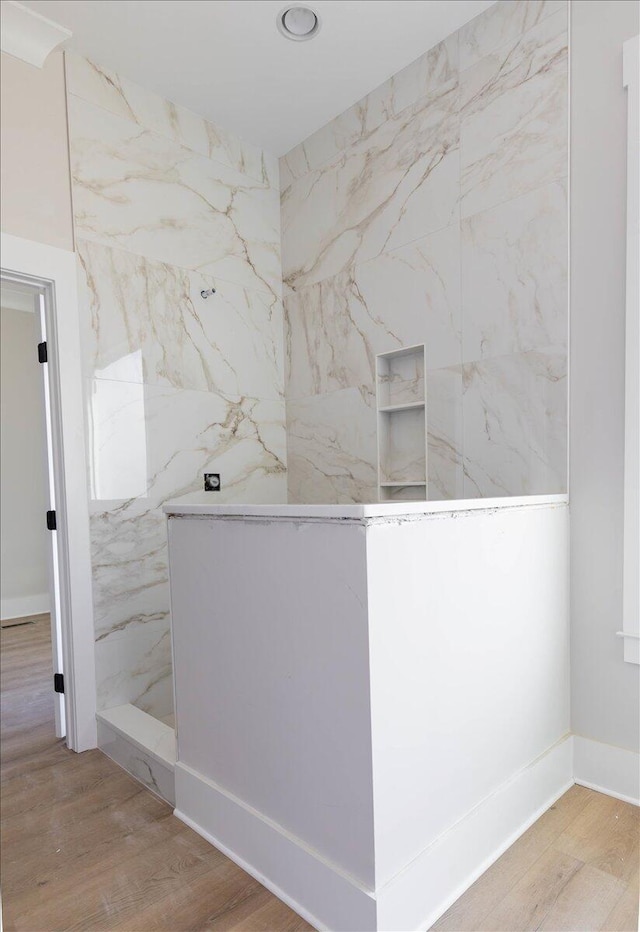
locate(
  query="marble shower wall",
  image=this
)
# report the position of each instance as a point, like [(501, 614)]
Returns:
[(435, 211), (167, 205)]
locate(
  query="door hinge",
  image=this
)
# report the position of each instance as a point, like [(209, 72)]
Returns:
[(42, 352), (51, 521), (58, 682)]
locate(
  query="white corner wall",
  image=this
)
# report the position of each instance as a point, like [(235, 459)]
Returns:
[(605, 689), (24, 579)]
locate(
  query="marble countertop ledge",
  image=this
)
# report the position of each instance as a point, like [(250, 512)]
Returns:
[(200, 504)]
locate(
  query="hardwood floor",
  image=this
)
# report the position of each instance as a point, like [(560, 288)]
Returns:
[(85, 847)]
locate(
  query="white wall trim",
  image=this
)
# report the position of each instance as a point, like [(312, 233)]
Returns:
[(317, 890), (631, 559), (29, 36), (22, 606), (56, 270), (448, 867), (607, 769), (327, 897)]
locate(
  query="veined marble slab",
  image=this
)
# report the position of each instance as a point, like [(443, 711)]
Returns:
[(130, 737), (422, 77), (143, 192), (332, 447), (124, 98), (469, 258), (231, 343), (137, 669), (151, 443), (515, 424), (515, 276), (404, 297), (445, 468), (500, 23), (167, 205), (396, 185), (514, 117), (195, 506)]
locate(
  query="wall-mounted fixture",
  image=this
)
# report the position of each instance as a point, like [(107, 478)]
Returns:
[(212, 482), (298, 23), (207, 292)]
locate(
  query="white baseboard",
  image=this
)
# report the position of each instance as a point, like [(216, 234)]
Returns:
[(24, 605), (434, 881), (607, 769), (327, 897), (318, 891)]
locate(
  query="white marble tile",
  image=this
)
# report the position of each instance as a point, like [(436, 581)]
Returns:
[(444, 433), (145, 193), (514, 112), (401, 378), (500, 23), (395, 186), (184, 434), (402, 441), (110, 91), (515, 424), (130, 570), (334, 329), (135, 308), (144, 767), (149, 444), (144, 731), (137, 669), (421, 78), (514, 275), (332, 448)]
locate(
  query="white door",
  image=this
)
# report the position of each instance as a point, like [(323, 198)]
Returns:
[(54, 561)]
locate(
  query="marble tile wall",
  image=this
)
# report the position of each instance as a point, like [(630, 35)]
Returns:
[(435, 211), (167, 205)]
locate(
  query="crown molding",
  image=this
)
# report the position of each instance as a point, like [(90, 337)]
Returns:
[(29, 36)]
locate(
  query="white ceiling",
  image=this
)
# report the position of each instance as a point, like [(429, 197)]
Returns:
[(225, 59)]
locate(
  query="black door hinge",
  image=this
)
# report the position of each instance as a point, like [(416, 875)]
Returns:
[(42, 352), (51, 521), (58, 682)]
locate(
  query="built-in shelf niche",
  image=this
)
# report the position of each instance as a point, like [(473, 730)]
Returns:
[(402, 424)]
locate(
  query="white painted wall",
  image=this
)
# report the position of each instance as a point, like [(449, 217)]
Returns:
[(469, 648), (605, 689), (270, 648), (23, 468)]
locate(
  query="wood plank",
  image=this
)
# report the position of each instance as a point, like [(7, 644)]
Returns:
[(192, 907), (529, 901), (485, 894), (624, 915), (605, 835), (585, 902), (84, 846)]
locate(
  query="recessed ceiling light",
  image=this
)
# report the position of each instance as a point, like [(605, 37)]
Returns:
[(298, 23)]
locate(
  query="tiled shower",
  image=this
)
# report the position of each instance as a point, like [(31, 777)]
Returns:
[(433, 212)]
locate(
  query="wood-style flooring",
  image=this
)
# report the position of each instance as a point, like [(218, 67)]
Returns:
[(85, 847)]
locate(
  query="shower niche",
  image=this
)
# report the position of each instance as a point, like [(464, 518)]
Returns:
[(401, 397)]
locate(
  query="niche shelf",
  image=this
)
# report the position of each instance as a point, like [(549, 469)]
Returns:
[(401, 397)]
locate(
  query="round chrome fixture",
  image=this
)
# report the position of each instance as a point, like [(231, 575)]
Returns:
[(298, 23)]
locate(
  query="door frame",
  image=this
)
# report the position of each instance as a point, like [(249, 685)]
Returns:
[(54, 272)]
